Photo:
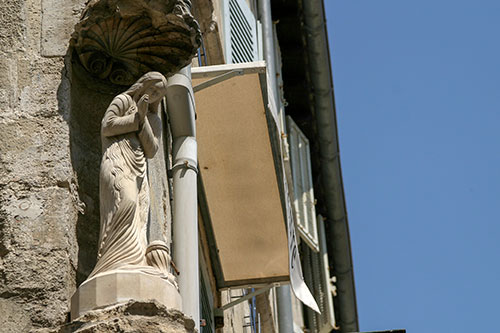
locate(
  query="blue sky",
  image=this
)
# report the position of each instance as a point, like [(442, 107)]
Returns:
[(418, 106)]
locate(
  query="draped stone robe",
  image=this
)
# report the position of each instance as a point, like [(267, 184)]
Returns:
[(123, 186)]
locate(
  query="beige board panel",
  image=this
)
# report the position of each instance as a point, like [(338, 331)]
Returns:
[(238, 172)]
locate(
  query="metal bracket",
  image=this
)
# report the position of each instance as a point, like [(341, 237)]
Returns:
[(185, 164), (219, 311), (218, 79)]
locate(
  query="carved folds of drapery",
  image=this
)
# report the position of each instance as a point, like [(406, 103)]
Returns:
[(117, 41)]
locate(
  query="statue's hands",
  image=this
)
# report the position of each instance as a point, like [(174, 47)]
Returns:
[(142, 107)]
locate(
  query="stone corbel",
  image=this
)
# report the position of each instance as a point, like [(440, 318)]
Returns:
[(116, 41)]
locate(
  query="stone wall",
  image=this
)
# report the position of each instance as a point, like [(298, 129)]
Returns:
[(237, 318), (39, 200), (49, 163)]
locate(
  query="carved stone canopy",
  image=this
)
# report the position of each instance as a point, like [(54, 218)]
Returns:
[(117, 41)]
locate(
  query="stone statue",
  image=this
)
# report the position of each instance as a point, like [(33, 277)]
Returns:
[(114, 43), (130, 133)]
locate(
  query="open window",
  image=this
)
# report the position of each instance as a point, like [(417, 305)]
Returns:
[(303, 193)]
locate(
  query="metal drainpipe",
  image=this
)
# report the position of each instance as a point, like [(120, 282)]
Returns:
[(284, 300), (268, 41), (338, 229), (181, 113), (285, 314)]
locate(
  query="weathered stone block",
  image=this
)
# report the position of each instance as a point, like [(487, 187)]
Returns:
[(58, 21), (13, 318)]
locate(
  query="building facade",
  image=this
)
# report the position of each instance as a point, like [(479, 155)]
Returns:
[(260, 84)]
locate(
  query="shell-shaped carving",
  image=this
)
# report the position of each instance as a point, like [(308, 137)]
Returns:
[(119, 40)]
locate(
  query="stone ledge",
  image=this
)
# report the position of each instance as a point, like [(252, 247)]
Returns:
[(132, 317)]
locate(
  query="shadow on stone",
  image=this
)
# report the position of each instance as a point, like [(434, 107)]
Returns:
[(143, 309)]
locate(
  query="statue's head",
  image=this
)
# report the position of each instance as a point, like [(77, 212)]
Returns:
[(152, 83)]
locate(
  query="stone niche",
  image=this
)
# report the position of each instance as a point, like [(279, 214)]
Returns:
[(116, 42)]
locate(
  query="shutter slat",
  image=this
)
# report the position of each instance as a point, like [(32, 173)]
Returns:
[(240, 48), (317, 277), (236, 38), (239, 18), (237, 6), (240, 32)]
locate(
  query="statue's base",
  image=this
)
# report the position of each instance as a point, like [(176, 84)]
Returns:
[(131, 317), (120, 287)]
